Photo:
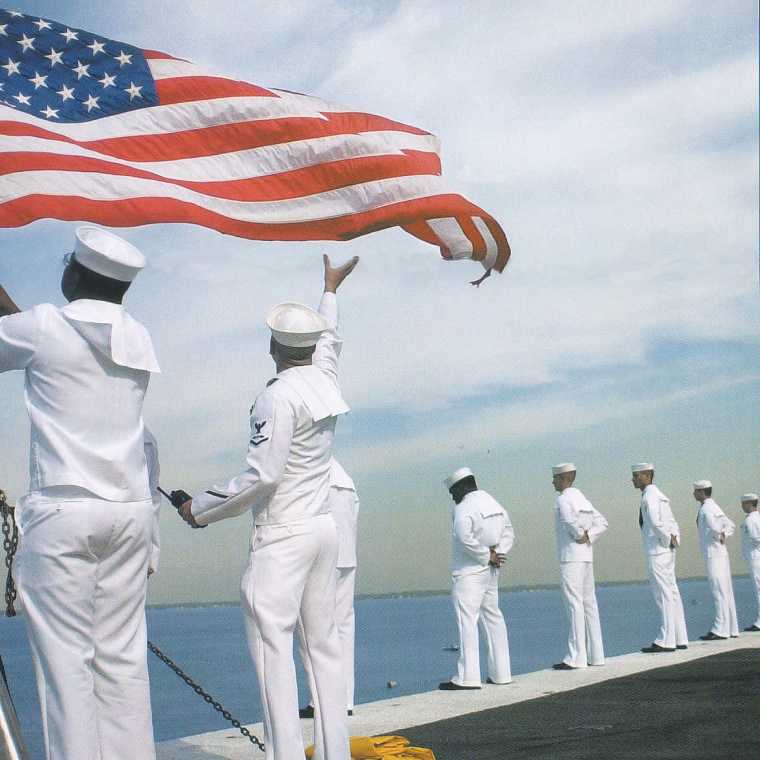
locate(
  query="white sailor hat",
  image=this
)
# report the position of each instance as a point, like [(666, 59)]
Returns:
[(103, 252), (456, 476), (642, 467), (700, 484), (560, 469), (296, 325), (749, 497)]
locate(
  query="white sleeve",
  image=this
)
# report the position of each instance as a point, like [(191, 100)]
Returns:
[(507, 540), (19, 338), (568, 519), (329, 344), (273, 421), (753, 531), (154, 479), (715, 524), (658, 518), (598, 525), (464, 532)]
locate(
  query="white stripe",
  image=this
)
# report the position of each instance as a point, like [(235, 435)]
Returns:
[(256, 162), (492, 247), (450, 233), (179, 117), (333, 203), (168, 68)]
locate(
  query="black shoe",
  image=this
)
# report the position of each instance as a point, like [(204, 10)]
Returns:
[(681, 646), (350, 712), (493, 683), (306, 712), (752, 628), (734, 635), (712, 637), (563, 666), (655, 648), (451, 686)]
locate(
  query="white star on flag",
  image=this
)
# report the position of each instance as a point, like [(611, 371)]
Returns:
[(3, 27), (41, 24), (107, 80), (133, 90), (91, 102), (51, 113), (55, 57), (12, 66), (26, 43), (38, 80), (67, 93), (23, 98), (97, 47), (81, 69), (69, 35), (123, 58)]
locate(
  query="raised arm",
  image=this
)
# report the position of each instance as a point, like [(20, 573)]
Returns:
[(272, 425)]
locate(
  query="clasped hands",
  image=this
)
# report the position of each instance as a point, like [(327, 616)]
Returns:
[(584, 539), (496, 559)]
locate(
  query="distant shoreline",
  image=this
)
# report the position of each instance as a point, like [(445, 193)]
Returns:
[(443, 592)]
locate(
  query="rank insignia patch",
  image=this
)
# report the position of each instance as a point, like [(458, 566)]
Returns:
[(258, 436)]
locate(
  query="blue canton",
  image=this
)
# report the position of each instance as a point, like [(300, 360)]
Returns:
[(61, 74)]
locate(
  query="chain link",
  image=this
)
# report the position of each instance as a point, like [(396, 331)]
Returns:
[(206, 696), (10, 545)]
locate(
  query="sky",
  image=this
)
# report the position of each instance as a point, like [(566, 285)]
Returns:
[(617, 144)]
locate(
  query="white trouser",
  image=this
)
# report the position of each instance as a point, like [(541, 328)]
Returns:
[(476, 598), (662, 579), (346, 625), (291, 572), (82, 574), (754, 574), (719, 578), (577, 582)]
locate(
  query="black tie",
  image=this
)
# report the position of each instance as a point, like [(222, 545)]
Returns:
[(641, 519)]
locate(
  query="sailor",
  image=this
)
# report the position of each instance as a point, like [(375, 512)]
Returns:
[(660, 536), (294, 550), (344, 506), (482, 536), (714, 527), (751, 548), (87, 521), (577, 525)]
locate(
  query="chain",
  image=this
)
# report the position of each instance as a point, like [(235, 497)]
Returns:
[(10, 545), (206, 696)]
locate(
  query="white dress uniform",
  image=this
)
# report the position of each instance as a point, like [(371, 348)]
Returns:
[(86, 522), (154, 479), (711, 522), (294, 550), (479, 523), (573, 515), (344, 507), (657, 525), (751, 553)]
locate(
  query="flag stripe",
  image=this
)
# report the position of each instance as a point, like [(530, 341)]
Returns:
[(256, 162), (188, 89), (309, 180)]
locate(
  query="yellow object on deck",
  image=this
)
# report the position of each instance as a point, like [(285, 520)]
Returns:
[(374, 747)]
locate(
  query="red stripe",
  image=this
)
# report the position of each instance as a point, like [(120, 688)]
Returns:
[(187, 89), (424, 231), (293, 184), (501, 240), (138, 211), (472, 234), (225, 138), (153, 54)]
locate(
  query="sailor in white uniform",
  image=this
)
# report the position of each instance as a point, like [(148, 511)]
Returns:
[(577, 525), (751, 548), (88, 519), (714, 527), (660, 536), (344, 507), (482, 536), (291, 569)]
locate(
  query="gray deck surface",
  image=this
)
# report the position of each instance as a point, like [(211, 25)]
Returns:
[(707, 708)]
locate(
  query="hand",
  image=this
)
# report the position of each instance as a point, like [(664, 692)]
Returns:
[(495, 559), (723, 538), (673, 541), (584, 539), (334, 276), (186, 514)]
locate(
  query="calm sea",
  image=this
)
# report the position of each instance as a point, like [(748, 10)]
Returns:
[(399, 639)]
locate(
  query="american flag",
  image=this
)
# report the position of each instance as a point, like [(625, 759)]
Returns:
[(98, 130)]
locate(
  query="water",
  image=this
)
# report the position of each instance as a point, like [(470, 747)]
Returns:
[(399, 639)]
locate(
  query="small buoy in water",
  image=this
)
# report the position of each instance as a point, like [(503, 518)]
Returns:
[(392, 684)]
